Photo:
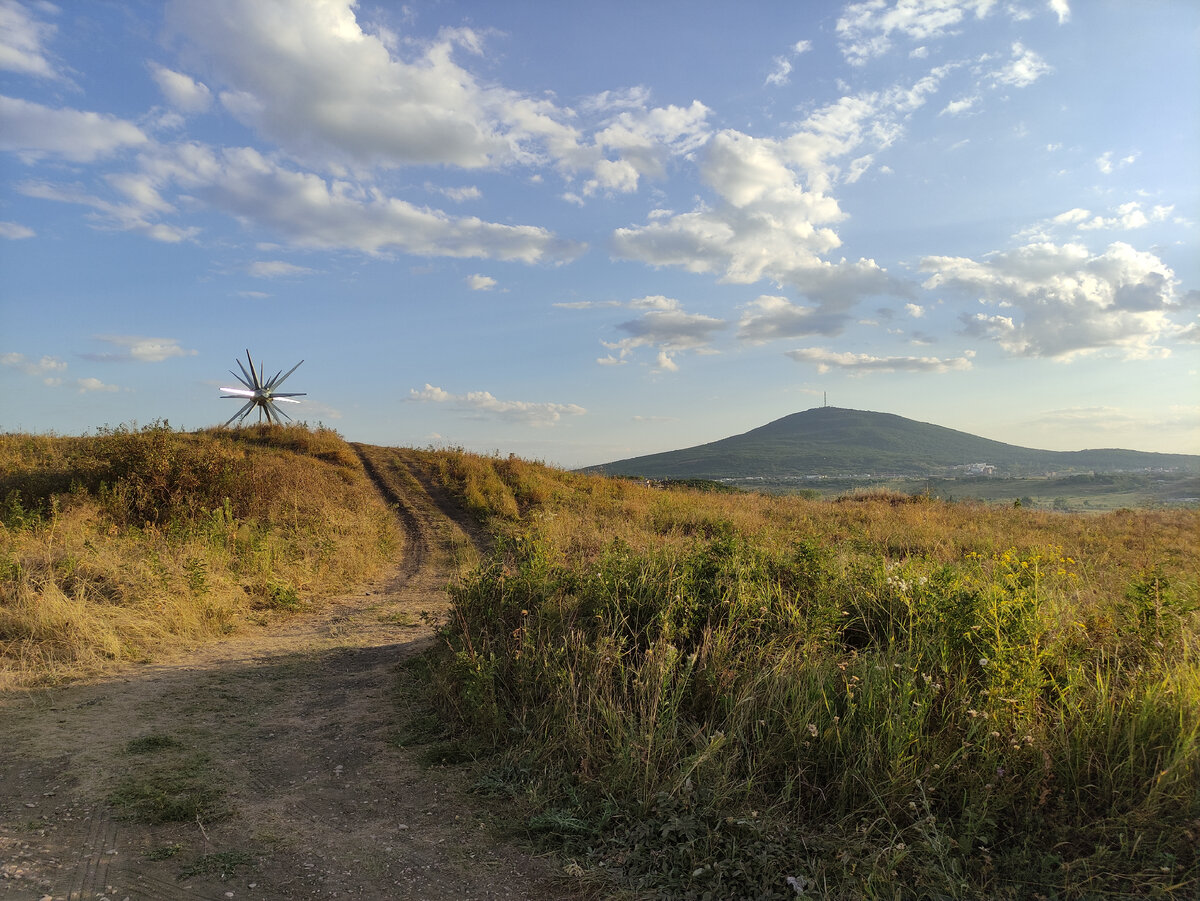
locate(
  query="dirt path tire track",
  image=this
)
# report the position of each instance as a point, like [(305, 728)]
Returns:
[(416, 549), (401, 478), (296, 724)]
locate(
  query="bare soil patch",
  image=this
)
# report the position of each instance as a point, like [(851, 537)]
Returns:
[(282, 740)]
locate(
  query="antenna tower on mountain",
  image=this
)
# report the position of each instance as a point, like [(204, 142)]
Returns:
[(260, 392)]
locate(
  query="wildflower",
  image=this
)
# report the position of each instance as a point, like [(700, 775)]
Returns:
[(983, 661), (812, 729)]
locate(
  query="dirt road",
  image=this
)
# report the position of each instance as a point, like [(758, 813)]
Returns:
[(284, 743)]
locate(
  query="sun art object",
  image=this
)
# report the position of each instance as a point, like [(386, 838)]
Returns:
[(259, 392)]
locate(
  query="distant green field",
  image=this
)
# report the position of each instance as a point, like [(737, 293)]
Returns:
[(1076, 493)]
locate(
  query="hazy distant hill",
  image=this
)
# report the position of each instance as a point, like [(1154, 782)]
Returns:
[(833, 441)]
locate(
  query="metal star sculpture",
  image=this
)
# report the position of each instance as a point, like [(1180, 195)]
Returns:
[(260, 393)]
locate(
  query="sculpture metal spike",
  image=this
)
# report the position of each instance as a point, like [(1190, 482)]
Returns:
[(260, 393)]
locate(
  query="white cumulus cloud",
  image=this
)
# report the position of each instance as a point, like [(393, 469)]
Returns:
[(664, 325), (862, 364), (865, 30), (642, 139), (1023, 69), (484, 404), (773, 215), (331, 92), (14, 231), (33, 131), (140, 349), (781, 69), (306, 209), (44, 368), (136, 211), (769, 317), (457, 194), (960, 106), (307, 76), (22, 40), (182, 91), (1061, 301), (277, 269), (1106, 165), (1127, 216)]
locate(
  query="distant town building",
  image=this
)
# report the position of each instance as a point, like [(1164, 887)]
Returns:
[(977, 469)]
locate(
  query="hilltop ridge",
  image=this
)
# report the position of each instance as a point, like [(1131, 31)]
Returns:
[(834, 441)]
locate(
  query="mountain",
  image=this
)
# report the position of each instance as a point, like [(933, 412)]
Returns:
[(832, 441)]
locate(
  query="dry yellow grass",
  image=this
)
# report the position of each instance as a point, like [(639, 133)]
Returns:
[(131, 542), (579, 515), (897, 697)]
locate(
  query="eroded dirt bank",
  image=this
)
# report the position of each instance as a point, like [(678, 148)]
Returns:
[(285, 739)]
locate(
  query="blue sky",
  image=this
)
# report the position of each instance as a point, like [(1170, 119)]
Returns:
[(579, 232)]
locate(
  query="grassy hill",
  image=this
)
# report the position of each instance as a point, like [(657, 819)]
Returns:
[(832, 441), (119, 545), (704, 694), (699, 694)]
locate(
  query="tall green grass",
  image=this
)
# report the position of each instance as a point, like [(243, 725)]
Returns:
[(119, 545), (708, 695)]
